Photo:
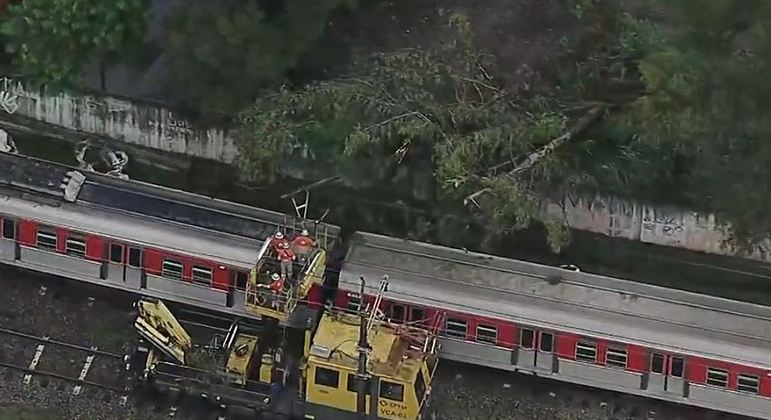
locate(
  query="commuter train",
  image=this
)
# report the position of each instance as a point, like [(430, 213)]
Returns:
[(506, 314)]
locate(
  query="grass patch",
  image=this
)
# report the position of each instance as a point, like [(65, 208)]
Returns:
[(25, 413), (109, 336)]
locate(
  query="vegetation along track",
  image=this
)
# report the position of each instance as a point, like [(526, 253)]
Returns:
[(45, 358)]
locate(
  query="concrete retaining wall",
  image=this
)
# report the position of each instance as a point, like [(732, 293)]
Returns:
[(154, 126), (137, 122), (667, 226)]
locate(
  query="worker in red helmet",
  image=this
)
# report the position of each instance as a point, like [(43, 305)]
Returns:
[(285, 259), (302, 244)]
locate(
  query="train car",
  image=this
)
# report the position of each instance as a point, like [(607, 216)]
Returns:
[(506, 314), (572, 326), (137, 237)]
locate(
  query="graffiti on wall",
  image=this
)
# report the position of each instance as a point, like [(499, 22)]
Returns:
[(169, 123), (10, 93)]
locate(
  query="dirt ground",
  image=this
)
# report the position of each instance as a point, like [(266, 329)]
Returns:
[(523, 36)]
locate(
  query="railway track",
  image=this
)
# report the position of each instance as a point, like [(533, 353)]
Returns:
[(43, 359), (65, 311)]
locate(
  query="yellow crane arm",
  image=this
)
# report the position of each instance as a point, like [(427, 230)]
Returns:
[(159, 326)]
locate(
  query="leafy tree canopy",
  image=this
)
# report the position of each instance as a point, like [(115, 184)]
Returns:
[(681, 87), (223, 55), (426, 123), (52, 40), (701, 128)]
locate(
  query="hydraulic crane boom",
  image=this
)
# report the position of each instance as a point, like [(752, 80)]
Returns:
[(157, 325)]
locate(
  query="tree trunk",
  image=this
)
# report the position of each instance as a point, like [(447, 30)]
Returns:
[(530, 160), (553, 145), (103, 77)]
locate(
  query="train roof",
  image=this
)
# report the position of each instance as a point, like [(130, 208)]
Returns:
[(26, 175), (562, 300)]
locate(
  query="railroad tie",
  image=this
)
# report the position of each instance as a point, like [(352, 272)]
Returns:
[(83, 372), (34, 362)]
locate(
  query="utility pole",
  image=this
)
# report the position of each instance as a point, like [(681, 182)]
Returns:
[(362, 374)]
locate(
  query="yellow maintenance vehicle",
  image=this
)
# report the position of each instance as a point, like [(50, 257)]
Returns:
[(344, 366)]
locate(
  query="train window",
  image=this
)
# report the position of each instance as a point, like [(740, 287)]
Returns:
[(657, 363), (202, 275), (46, 239), (487, 334), (420, 386), (615, 357), (391, 391), (748, 383), (75, 245), (135, 257), (171, 269), (677, 367), (527, 339), (456, 328), (717, 377), (586, 352), (9, 229), (354, 303), (417, 314), (241, 278), (327, 377), (116, 253), (397, 313), (547, 342), (351, 385)]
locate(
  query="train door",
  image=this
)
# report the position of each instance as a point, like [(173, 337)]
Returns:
[(7, 240), (134, 275), (535, 350), (116, 268), (666, 374)]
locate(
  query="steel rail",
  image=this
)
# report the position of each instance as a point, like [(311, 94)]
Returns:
[(92, 350), (64, 377)]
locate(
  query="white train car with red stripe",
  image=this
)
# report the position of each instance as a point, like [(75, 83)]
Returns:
[(133, 236), (572, 326), (506, 314)]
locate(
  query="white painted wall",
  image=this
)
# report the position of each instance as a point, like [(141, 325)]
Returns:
[(668, 226), (156, 127), (135, 122)]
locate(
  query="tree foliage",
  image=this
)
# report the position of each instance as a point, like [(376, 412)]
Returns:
[(54, 40), (701, 128), (408, 118), (679, 87), (223, 54)]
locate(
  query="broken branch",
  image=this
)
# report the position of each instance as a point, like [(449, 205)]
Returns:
[(553, 145), (591, 116), (473, 197)]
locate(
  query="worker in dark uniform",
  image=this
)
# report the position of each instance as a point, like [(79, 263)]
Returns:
[(285, 259), (302, 245)]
